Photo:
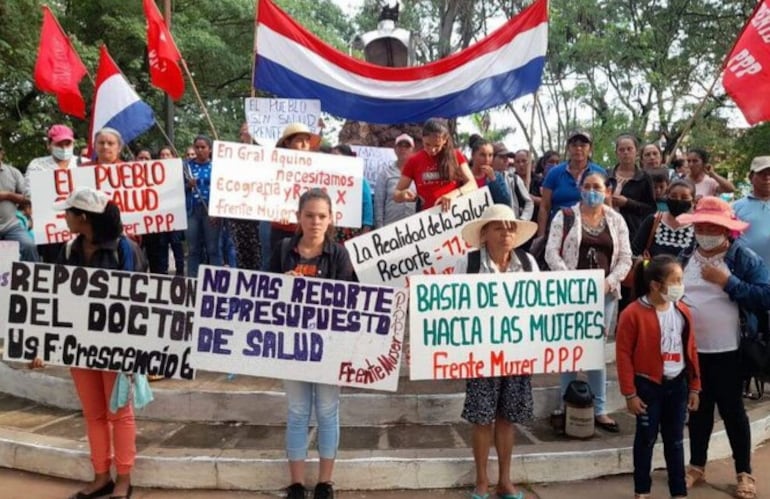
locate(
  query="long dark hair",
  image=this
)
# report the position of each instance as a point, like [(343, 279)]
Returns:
[(310, 195), (446, 159), (540, 165), (106, 226), (655, 269)]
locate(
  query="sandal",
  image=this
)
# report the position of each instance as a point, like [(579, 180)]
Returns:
[(694, 476), (479, 496), (610, 426), (746, 489), (510, 495)]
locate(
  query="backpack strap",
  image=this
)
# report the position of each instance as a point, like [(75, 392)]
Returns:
[(474, 262), (569, 221), (523, 256), (516, 192), (651, 236), (68, 250)]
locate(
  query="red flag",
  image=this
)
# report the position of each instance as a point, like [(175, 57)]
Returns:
[(747, 69), (162, 52), (58, 69)]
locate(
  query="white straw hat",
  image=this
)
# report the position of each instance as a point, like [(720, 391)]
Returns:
[(498, 213), (86, 199)]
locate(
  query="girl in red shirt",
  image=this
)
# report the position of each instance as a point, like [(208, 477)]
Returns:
[(439, 171)]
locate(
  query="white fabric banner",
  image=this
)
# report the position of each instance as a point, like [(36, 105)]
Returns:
[(150, 195), (485, 325), (262, 183), (305, 329)]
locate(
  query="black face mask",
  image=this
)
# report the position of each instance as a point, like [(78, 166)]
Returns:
[(678, 206)]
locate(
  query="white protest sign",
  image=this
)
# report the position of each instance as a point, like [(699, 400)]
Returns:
[(305, 329), (428, 242), (262, 183), (9, 253), (150, 195), (268, 117), (375, 159), (109, 320), (485, 325)]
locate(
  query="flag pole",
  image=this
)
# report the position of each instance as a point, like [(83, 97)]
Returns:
[(702, 103), (200, 100), (169, 103), (254, 52), (169, 142)]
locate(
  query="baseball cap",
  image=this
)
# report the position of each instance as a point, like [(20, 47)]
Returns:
[(57, 133), (579, 134), (404, 137), (499, 149), (86, 199), (760, 163)]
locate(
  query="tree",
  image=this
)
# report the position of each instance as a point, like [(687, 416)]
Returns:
[(214, 36)]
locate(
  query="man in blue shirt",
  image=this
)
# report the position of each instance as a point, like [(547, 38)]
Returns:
[(755, 209)]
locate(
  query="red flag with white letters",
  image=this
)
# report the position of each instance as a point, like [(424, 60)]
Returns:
[(58, 68), (747, 69), (162, 53)]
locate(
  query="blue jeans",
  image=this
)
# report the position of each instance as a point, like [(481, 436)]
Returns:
[(202, 237), (666, 411), (227, 247), (597, 379), (302, 397), (264, 240), (27, 248)]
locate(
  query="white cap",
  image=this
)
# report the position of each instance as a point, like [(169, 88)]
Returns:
[(86, 199), (404, 137), (760, 163)]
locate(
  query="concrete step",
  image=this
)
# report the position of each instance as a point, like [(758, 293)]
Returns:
[(237, 456), (213, 397)]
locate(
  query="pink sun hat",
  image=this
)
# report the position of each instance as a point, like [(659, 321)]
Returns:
[(712, 210)]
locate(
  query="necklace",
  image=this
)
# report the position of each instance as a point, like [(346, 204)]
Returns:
[(595, 230)]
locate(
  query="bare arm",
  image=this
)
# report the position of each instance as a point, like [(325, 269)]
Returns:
[(545, 211), (402, 194), (724, 184)]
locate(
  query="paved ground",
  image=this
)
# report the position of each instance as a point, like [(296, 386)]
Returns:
[(20, 485)]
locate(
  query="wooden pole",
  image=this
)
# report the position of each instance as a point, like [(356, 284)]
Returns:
[(169, 142), (169, 103), (691, 121), (200, 100), (254, 52)]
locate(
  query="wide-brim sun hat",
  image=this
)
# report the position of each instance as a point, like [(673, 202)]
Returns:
[(525, 229), (295, 129), (713, 210), (85, 199)]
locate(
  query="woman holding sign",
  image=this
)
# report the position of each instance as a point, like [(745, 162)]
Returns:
[(494, 405), (203, 231), (312, 252), (439, 171), (100, 243), (591, 235)]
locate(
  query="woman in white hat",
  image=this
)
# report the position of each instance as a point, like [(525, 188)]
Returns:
[(494, 405)]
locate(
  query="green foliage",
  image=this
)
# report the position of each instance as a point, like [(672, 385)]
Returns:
[(215, 37)]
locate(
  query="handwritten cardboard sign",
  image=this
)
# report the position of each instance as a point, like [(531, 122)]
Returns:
[(109, 320), (268, 117), (428, 242), (262, 183), (375, 159), (484, 325), (150, 195), (306, 329), (9, 253)]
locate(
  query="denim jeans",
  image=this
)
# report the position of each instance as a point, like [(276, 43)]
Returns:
[(27, 248), (264, 239), (666, 411), (722, 387), (202, 237), (597, 379), (301, 397)]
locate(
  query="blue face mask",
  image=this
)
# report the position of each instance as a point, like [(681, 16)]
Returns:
[(592, 198)]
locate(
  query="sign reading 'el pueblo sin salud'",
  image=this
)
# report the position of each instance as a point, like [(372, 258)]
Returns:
[(150, 195), (305, 329), (261, 183), (268, 117), (428, 242), (109, 320), (484, 325)]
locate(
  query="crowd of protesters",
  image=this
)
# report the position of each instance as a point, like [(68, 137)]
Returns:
[(685, 275)]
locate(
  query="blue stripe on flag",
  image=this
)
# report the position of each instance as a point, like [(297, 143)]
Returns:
[(483, 94), (132, 121)]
